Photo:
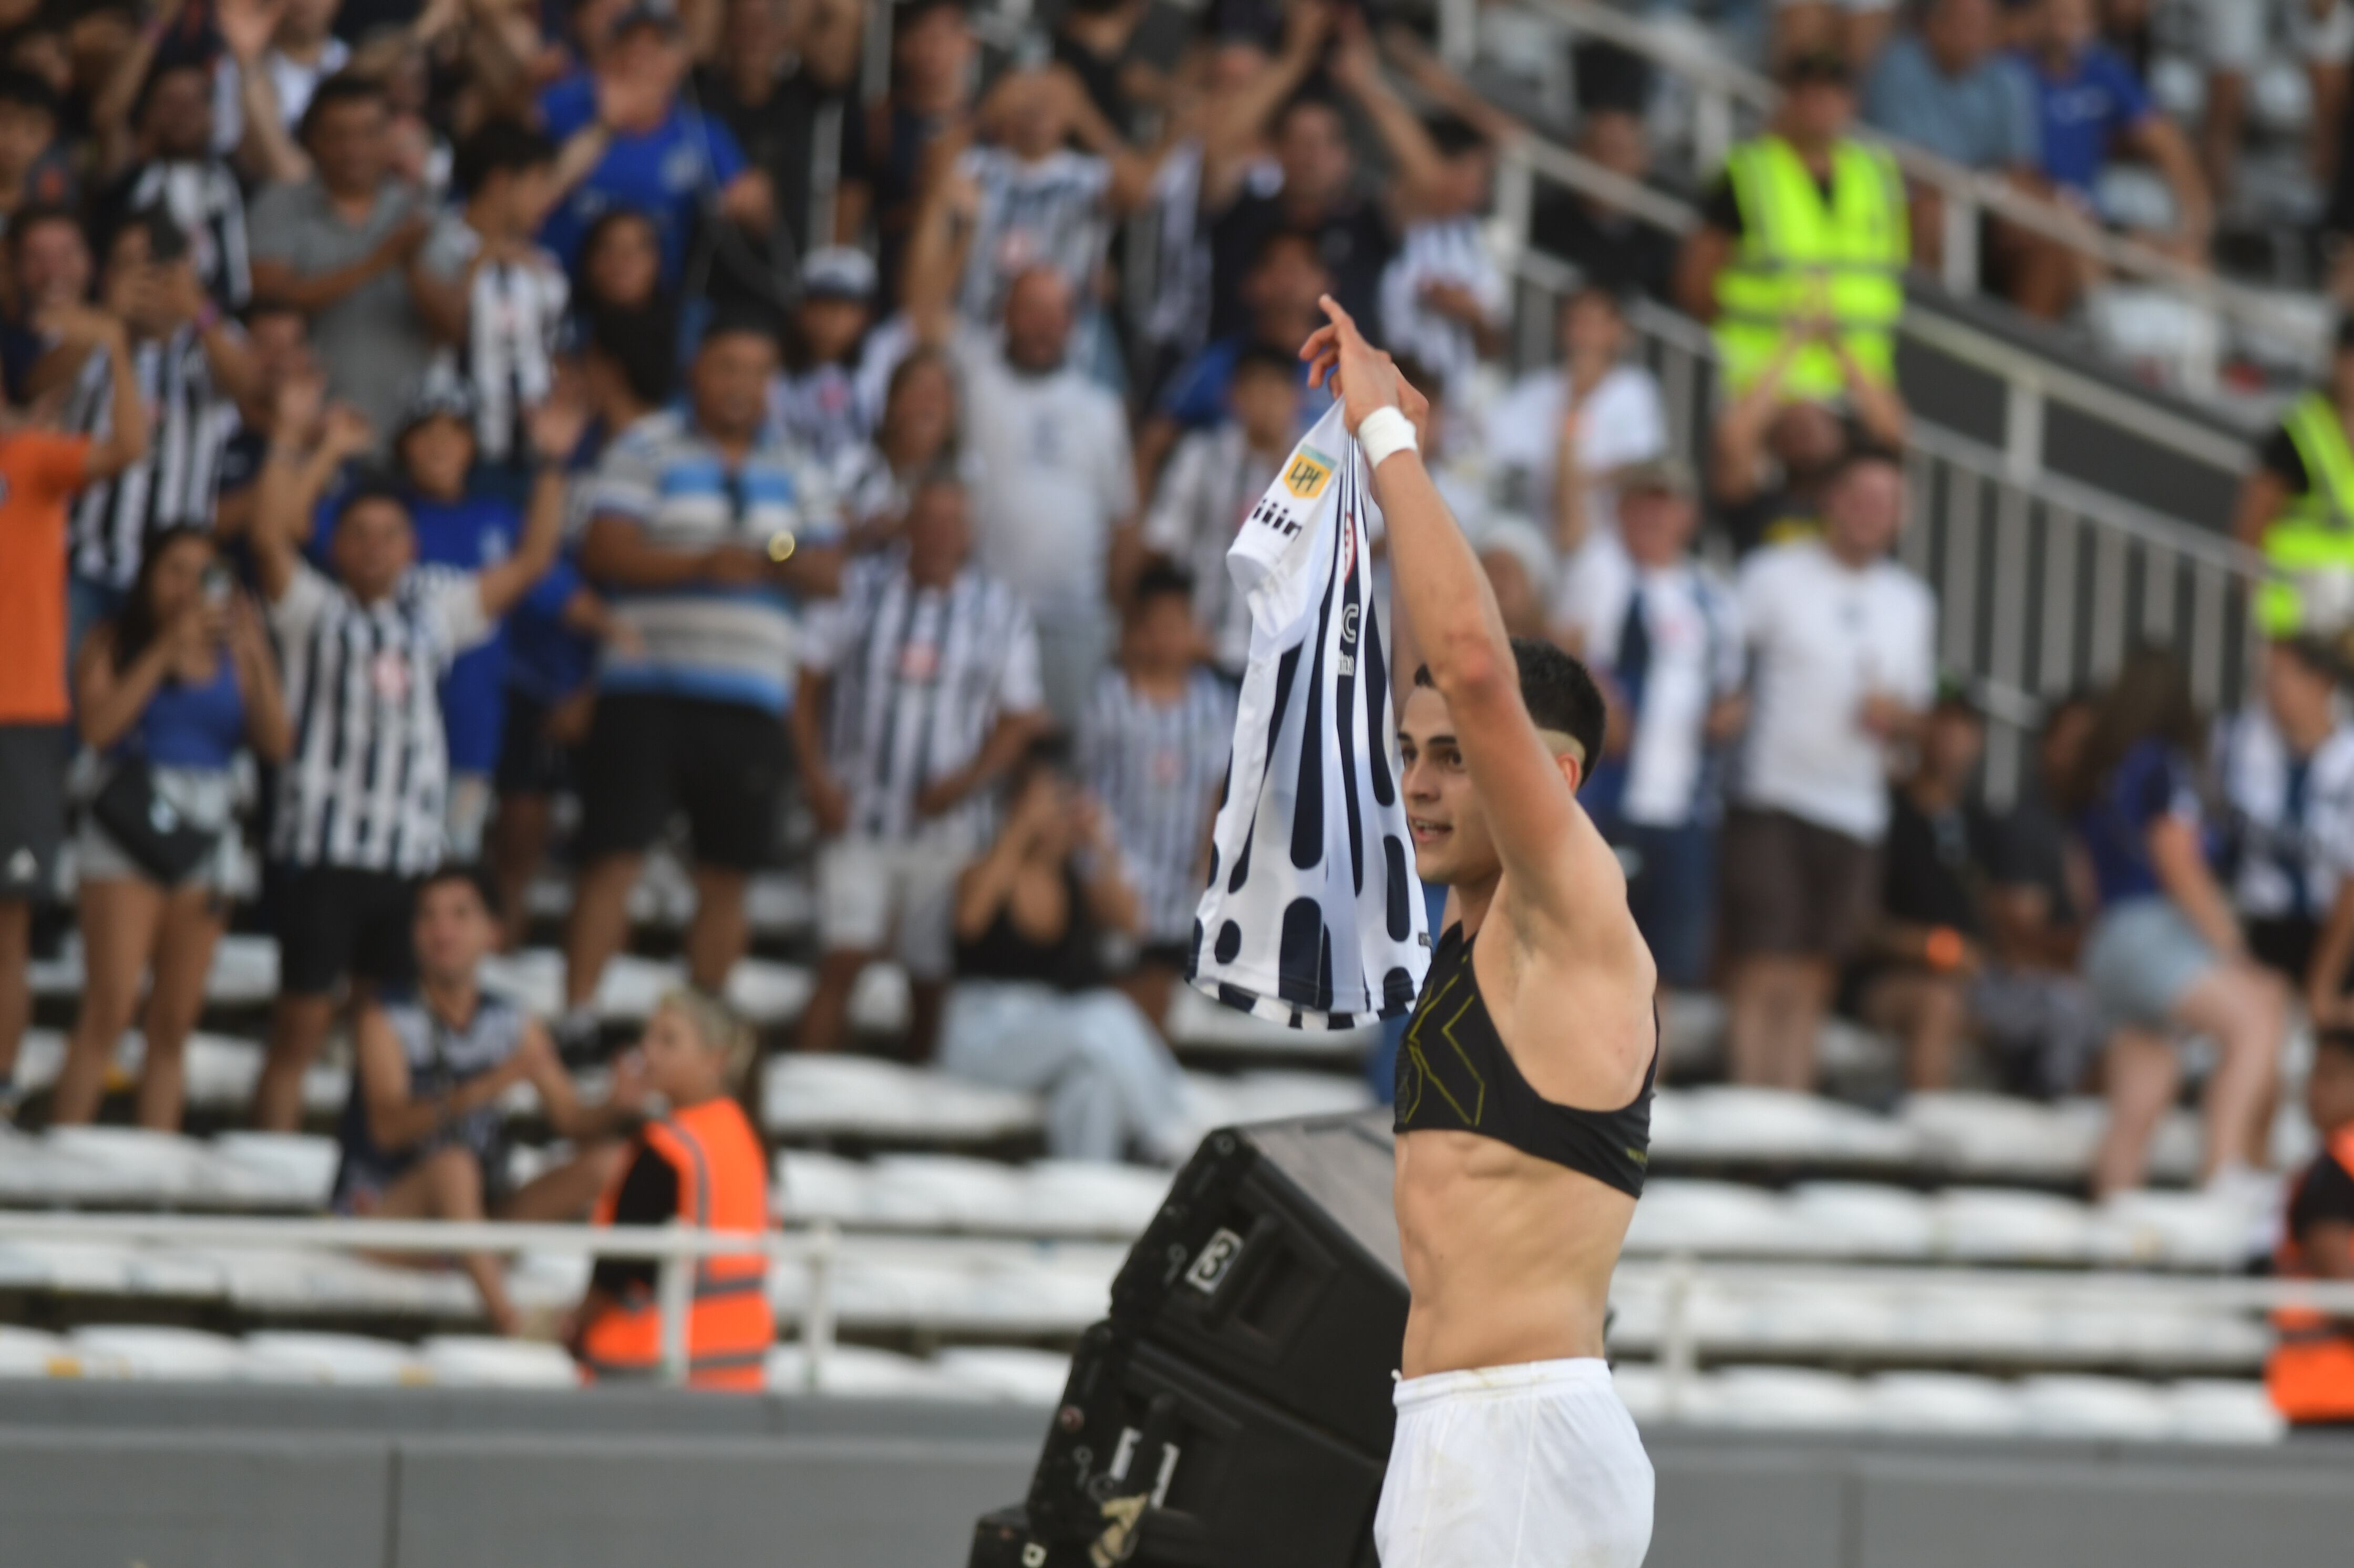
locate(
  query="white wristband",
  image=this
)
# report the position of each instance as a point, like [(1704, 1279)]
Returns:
[(1384, 433)]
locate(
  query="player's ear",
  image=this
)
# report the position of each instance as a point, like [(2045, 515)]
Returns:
[(1572, 770)]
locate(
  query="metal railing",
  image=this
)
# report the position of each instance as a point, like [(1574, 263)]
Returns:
[(1722, 89), (2043, 583), (1680, 1278), (675, 1249)]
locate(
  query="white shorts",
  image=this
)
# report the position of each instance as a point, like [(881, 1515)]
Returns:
[(870, 892), (1536, 1466)]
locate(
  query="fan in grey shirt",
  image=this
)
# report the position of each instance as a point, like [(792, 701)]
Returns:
[(338, 248)]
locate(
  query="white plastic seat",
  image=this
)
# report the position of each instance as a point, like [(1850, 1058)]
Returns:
[(880, 1002), (1788, 1397), (30, 1352), (346, 1360), (1970, 1323), (776, 903), (1008, 1372), (769, 994), (811, 1186), (1821, 1319), (1722, 1217), (2216, 1410), (548, 1281), (862, 1095), (1861, 1219), (2186, 1229), (861, 1371), (2073, 1406), (1737, 1122), (146, 1352), (2001, 1223), (947, 1191), (97, 1268), (1985, 1134), (477, 1361), (1085, 1197), (244, 971), (1940, 1402)]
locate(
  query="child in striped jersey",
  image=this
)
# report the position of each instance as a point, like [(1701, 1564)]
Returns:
[(1153, 748)]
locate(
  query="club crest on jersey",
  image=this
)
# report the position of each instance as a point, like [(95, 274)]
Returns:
[(1309, 473)]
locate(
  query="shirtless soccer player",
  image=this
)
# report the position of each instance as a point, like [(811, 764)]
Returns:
[(1524, 1079)]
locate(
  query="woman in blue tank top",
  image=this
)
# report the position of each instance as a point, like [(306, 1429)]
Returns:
[(2165, 958), (180, 683)]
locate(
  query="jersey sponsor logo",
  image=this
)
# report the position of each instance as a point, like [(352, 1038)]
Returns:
[(1309, 473)]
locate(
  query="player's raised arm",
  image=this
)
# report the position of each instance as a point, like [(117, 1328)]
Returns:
[(1549, 849)]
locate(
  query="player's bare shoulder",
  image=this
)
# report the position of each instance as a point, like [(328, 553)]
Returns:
[(1574, 1003)]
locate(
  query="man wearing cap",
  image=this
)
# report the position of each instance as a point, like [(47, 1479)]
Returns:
[(2296, 506), (829, 396), (1805, 240), (640, 148), (1659, 633)]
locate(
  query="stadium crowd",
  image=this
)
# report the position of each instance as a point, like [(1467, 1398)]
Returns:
[(515, 432)]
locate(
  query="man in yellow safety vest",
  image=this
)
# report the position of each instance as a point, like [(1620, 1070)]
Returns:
[(2297, 507), (1805, 234)]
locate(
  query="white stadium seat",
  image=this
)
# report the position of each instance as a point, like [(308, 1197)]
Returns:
[(146, 1352), (808, 1186), (866, 1096), (1861, 1220), (1709, 1217), (2214, 1410), (1008, 1372), (1792, 1398), (860, 1371), (2003, 1223), (2073, 1406), (348, 1360), (1940, 1402), (1726, 1122), (473, 1360), (30, 1352)]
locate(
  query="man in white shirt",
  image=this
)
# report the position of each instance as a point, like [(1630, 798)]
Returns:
[(1842, 643), (1581, 422), (1056, 481), (1660, 633)]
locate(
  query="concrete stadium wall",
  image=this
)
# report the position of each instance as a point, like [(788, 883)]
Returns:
[(103, 1476)]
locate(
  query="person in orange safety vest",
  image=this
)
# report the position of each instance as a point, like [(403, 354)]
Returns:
[(2311, 1374), (701, 1163)]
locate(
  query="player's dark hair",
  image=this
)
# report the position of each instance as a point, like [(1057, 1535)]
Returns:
[(1557, 692), (499, 147), (463, 874), (1162, 580)]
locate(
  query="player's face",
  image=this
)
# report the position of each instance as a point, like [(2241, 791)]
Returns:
[(1443, 810)]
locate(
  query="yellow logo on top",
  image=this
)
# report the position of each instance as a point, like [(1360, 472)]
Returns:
[(1309, 473)]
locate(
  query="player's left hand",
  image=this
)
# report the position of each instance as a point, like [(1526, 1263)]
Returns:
[(1364, 378)]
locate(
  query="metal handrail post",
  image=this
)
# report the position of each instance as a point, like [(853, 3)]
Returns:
[(817, 1316), (674, 1301)]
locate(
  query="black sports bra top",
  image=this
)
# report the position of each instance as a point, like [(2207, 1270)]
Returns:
[(1455, 1076)]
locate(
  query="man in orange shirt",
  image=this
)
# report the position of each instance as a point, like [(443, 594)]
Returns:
[(40, 470)]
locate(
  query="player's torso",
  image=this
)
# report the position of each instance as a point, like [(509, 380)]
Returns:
[(1508, 1253)]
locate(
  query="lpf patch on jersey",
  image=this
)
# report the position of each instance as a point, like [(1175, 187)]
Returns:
[(1309, 473)]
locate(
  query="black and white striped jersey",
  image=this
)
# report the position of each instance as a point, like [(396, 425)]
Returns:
[(1156, 767), (366, 784), (177, 483), (202, 197), (1209, 487), (1313, 916), (515, 315), (1050, 213), (920, 677)]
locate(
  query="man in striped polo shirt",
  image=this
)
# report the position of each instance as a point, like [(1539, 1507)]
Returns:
[(706, 534), (925, 672)]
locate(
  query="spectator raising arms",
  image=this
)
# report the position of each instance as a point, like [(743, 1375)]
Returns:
[(39, 473), (361, 800)]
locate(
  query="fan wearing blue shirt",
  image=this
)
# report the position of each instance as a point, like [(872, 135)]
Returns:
[(466, 528), (2089, 104), (653, 154)]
